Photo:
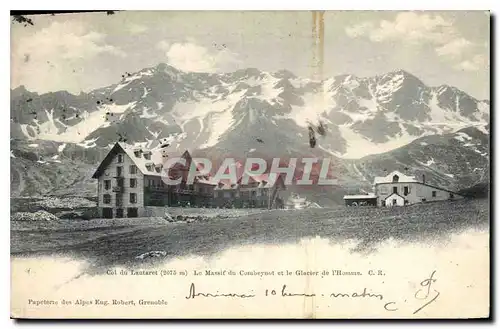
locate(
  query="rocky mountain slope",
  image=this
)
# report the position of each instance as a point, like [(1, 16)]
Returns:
[(452, 161), (230, 111), (455, 161), (375, 123)]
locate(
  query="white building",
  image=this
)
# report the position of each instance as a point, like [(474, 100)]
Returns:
[(130, 184), (398, 189)]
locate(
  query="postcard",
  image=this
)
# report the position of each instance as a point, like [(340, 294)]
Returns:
[(250, 165)]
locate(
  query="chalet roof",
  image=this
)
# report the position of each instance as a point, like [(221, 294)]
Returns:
[(107, 159), (141, 162), (402, 178), (396, 194)]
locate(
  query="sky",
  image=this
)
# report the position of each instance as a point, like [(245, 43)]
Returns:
[(81, 52)]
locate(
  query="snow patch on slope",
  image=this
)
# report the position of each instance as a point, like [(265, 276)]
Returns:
[(358, 146), (218, 113), (91, 121), (125, 82), (88, 143)]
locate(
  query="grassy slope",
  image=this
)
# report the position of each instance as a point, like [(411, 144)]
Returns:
[(118, 242)]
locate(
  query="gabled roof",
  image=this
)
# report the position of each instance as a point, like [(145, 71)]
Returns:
[(142, 163), (394, 193), (388, 179), (117, 148)]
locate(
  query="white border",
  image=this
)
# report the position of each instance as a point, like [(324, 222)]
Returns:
[(492, 5)]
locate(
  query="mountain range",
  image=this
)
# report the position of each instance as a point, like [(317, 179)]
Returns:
[(372, 124)]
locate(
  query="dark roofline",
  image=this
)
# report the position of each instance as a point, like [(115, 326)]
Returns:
[(106, 160), (442, 189), (425, 184)]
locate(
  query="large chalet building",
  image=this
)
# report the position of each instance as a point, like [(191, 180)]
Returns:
[(398, 189), (130, 184)]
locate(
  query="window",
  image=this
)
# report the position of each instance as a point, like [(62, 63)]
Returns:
[(149, 167), (133, 198), (406, 190), (107, 198), (107, 184), (395, 178), (133, 169), (452, 196), (120, 158), (423, 200), (383, 189), (147, 156), (137, 154), (119, 213), (119, 171), (133, 182), (394, 201), (394, 189), (158, 169), (254, 193), (433, 194)]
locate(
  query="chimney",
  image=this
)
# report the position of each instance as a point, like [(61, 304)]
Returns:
[(423, 179)]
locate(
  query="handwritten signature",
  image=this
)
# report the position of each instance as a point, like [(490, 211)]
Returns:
[(426, 293)]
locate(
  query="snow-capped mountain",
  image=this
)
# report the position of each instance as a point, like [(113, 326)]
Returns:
[(374, 124), (229, 112)]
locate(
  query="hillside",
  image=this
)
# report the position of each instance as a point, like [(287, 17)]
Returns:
[(372, 125)]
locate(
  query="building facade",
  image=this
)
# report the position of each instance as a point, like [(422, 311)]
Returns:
[(120, 186), (130, 184), (398, 189), (258, 192)]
